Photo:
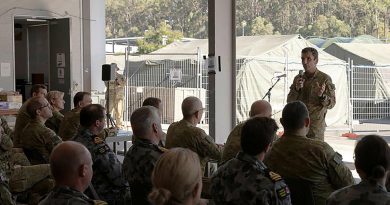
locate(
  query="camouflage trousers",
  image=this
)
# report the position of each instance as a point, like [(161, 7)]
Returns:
[(5, 195), (116, 108), (31, 183)]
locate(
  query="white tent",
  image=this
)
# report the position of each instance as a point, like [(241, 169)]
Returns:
[(259, 58), (262, 57)]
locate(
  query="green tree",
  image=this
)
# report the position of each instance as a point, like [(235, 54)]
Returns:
[(155, 39), (261, 26), (327, 27)]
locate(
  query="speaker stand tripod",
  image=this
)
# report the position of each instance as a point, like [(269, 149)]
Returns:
[(110, 120)]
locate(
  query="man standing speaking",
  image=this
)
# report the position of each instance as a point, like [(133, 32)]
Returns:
[(116, 93), (316, 90)]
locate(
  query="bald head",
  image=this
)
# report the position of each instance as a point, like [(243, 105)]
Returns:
[(70, 164), (190, 106), (261, 108)]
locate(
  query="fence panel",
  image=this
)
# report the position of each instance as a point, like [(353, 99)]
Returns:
[(370, 93), (170, 77)]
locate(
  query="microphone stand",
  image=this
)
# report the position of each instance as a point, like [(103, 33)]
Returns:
[(269, 90)]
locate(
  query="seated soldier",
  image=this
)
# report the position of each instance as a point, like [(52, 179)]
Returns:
[(107, 179), (71, 122), (245, 179), (37, 90), (71, 166), (232, 146), (185, 133), (177, 179), (29, 182), (36, 139), (294, 156), (156, 102), (56, 100), (143, 155), (372, 161)]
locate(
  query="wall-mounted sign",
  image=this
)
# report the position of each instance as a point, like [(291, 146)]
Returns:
[(175, 74), (60, 59), (60, 73)]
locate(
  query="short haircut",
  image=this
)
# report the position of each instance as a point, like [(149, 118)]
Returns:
[(311, 50), (294, 115), (66, 158), (372, 156), (142, 119), (35, 88), (256, 134), (90, 113), (33, 105), (152, 101), (79, 97), (53, 95), (190, 106)]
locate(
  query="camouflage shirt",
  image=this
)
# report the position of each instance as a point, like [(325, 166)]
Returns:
[(317, 106), (364, 193), (70, 124), (246, 180), (233, 143), (107, 170), (40, 138), (5, 156), (6, 128), (116, 88), (138, 166), (54, 122), (21, 121), (184, 134), (63, 195), (299, 157)]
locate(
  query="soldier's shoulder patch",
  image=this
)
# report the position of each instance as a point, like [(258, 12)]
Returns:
[(162, 149), (338, 158), (103, 149), (97, 140), (98, 202), (274, 176), (283, 192)]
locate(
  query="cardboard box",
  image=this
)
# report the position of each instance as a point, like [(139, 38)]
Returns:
[(15, 98), (10, 105), (11, 98)]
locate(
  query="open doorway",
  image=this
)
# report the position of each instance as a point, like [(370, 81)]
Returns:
[(42, 55)]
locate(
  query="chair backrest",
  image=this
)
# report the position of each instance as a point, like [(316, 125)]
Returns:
[(301, 191)]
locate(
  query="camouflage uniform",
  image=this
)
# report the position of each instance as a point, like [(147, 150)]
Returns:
[(6, 128), (184, 134), (21, 121), (317, 106), (246, 180), (116, 95), (63, 195), (299, 157), (137, 169), (54, 122), (32, 180), (38, 137), (364, 193), (70, 124), (233, 143), (107, 177), (5, 165)]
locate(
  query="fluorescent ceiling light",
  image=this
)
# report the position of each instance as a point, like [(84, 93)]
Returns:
[(36, 20)]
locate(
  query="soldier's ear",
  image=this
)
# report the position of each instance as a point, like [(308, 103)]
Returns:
[(307, 122), (82, 171)]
